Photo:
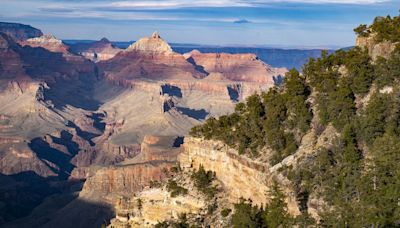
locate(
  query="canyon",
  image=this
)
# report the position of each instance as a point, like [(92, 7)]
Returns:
[(86, 124)]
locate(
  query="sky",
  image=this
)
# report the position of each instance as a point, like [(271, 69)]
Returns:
[(274, 23)]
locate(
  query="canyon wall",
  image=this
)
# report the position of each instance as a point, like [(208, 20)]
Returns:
[(241, 176)]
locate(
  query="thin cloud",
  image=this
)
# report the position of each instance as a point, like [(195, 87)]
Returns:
[(242, 21), (176, 4)]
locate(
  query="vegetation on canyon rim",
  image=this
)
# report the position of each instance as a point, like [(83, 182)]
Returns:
[(359, 176)]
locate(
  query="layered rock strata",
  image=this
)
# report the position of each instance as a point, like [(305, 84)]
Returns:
[(241, 176)]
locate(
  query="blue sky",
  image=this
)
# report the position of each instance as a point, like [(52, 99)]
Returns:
[(285, 23)]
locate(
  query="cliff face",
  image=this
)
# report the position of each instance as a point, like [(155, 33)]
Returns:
[(157, 156), (19, 31), (383, 49), (241, 176), (236, 67), (125, 180), (157, 205)]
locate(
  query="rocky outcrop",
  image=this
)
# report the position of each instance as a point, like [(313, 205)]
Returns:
[(19, 32), (97, 51), (48, 42), (375, 49), (157, 156), (156, 205), (125, 180), (151, 45), (241, 176)]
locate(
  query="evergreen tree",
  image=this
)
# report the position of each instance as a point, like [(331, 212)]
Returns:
[(246, 216), (275, 214)]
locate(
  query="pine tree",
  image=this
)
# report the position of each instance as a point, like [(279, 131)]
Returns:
[(275, 214)]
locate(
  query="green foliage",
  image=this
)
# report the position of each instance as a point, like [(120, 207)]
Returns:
[(225, 212), (275, 213), (175, 189), (246, 215), (387, 71), (362, 30), (182, 222), (203, 180), (373, 121), (261, 121), (386, 28), (360, 69), (358, 174), (155, 184), (382, 182), (139, 204)]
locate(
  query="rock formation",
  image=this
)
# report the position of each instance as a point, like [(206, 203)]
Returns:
[(19, 32), (149, 58), (96, 51), (157, 205), (241, 176), (48, 42), (235, 67), (151, 45), (375, 49), (157, 156), (115, 123)]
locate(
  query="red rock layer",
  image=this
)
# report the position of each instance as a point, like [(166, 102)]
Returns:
[(150, 58), (235, 67)]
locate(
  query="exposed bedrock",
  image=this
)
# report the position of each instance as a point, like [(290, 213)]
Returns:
[(241, 176), (158, 154)]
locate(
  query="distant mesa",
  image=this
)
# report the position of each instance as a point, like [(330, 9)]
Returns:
[(235, 67), (96, 51)]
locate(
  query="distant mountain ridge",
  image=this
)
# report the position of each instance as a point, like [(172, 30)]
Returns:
[(19, 31), (276, 57)]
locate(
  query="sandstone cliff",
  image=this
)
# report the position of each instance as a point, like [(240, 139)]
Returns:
[(242, 177), (156, 205), (375, 49)]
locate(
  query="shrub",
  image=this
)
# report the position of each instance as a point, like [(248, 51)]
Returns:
[(175, 189), (225, 212)]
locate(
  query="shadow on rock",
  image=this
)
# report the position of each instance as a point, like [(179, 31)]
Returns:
[(21, 193)]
